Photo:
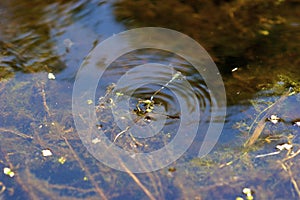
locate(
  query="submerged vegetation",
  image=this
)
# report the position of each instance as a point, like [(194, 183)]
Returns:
[(255, 44), (265, 167)]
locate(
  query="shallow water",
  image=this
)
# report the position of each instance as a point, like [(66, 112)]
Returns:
[(255, 45)]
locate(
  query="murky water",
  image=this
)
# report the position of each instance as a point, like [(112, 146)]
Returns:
[(256, 46)]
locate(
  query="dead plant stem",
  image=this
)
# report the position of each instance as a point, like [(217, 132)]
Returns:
[(262, 122), (88, 173), (138, 182)]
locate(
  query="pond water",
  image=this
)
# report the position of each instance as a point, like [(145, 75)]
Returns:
[(256, 47)]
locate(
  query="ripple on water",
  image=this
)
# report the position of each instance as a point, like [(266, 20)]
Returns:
[(137, 79)]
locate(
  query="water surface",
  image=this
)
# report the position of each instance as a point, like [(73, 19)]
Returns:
[(255, 45)]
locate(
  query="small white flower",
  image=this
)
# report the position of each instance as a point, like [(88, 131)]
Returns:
[(284, 146), (51, 76), (89, 101), (46, 152), (96, 140), (297, 123), (274, 119), (7, 171), (247, 191)]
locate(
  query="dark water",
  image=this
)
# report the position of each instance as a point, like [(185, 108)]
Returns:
[(255, 45)]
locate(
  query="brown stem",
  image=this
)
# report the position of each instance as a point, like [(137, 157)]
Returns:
[(88, 173), (262, 122)]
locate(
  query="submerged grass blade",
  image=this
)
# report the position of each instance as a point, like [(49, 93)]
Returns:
[(262, 122)]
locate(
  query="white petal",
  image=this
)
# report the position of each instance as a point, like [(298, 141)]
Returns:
[(46, 152), (51, 76)]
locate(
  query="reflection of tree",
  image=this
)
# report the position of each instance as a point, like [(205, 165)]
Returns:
[(25, 33), (236, 33), (224, 27)]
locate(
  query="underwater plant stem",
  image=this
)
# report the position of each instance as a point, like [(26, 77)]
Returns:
[(16, 132), (43, 94), (88, 173), (175, 76), (292, 156), (287, 168), (138, 182), (122, 132), (23, 185), (262, 122)]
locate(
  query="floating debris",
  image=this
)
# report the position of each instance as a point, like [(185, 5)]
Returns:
[(68, 43), (144, 106), (51, 76), (89, 101), (7, 171), (172, 169), (235, 69), (119, 94), (284, 147), (296, 123), (274, 119), (46, 153), (264, 32), (96, 140), (248, 193), (267, 154), (62, 160)]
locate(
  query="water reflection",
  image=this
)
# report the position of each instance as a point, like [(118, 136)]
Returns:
[(40, 36), (35, 112), (250, 36), (26, 42)]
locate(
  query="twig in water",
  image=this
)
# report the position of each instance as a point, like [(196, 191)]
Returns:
[(268, 154), (122, 132), (16, 133), (138, 182), (25, 187), (262, 122), (287, 168), (43, 94), (88, 173), (292, 156)]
